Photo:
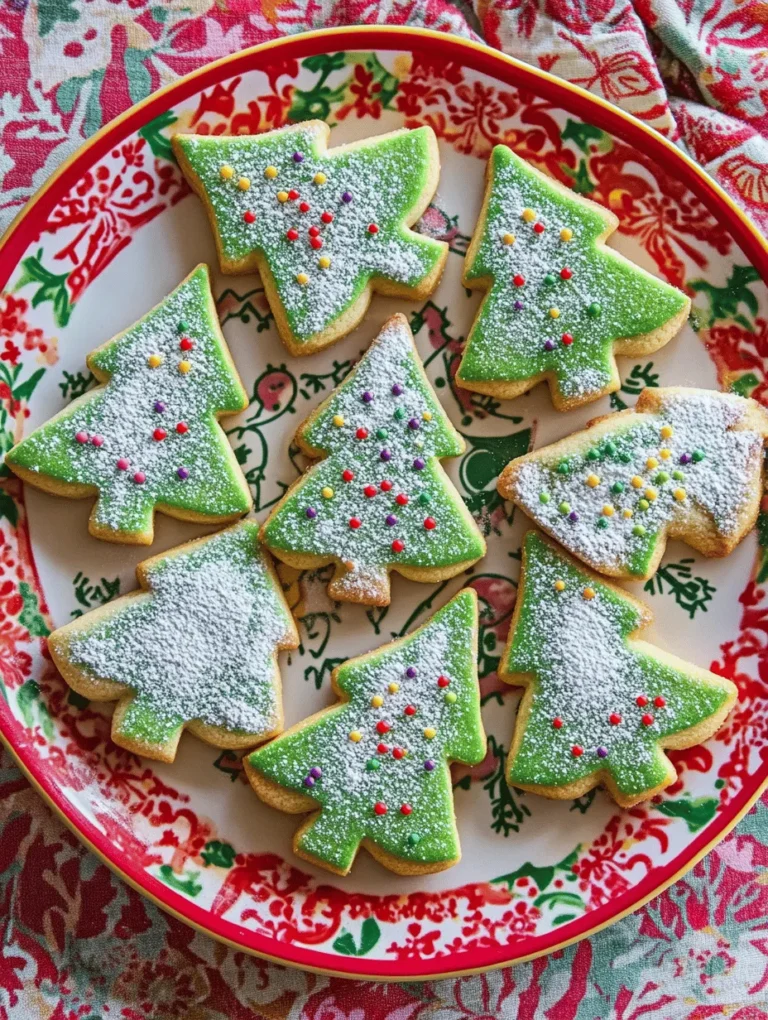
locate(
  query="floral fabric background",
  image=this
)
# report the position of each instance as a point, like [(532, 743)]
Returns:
[(77, 942)]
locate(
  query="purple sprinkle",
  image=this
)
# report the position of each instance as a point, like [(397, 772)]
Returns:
[(311, 512), (385, 455), (159, 406), (573, 517), (602, 752), (309, 781), (316, 772), (397, 389), (183, 474), (518, 306), (685, 458), (391, 520), (347, 196), (298, 158), (429, 765), (413, 424), (419, 464), (367, 397), (549, 345), (410, 672)]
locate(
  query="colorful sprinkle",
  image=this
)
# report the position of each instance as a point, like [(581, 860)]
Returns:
[(309, 781), (566, 273), (361, 433), (346, 196), (518, 279), (226, 172), (427, 416), (650, 495), (411, 672), (186, 344), (405, 809), (298, 158), (559, 585), (419, 464), (429, 765), (680, 495), (243, 184), (573, 517), (430, 732), (643, 504), (567, 339), (397, 389), (626, 513), (430, 523), (159, 435), (155, 360), (577, 751), (549, 345), (614, 718), (413, 839), (608, 510), (679, 476), (647, 719), (182, 473), (338, 421), (508, 238), (270, 172), (660, 702), (386, 485), (661, 477), (391, 520), (641, 700), (372, 765), (123, 464), (651, 463), (401, 499), (385, 455), (665, 454), (311, 513), (544, 497), (184, 367), (564, 508), (697, 456), (394, 687), (550, 280), (354, 523), (81, 437), (554, 313), (382, 726), (355, 736), (557, 723), (302, 279), (382, 748), (602, 752), (518, 305), (566, 234), (588, 593), (372, 228), (638, 531), (593, 481), (538, 228), (528, 215), (380, 808), (594, 310), (409, 710), (139, 478), (414, 423), (398, 545), (667, 431), (326, 492), (377, 701), (292, 234), (282, 196), (159, 406), (249, 216)]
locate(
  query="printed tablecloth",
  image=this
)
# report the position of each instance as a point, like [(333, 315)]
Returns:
[(76, 941)]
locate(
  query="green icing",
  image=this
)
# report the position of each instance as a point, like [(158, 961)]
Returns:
[(386, 179), (653, 470), (391, 364), (584, 667), (122, 415), (605, 300), (200, 644), (355, 776)]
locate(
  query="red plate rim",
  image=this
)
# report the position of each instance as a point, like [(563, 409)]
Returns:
[(29, 223)]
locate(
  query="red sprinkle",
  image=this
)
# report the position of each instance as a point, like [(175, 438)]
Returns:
[(430, 523), (327, 217), (182, 428), (372, 228), (557, 722), (249, 217), (405, 809), (370, 491), (614, 718), (293, 194), (347, 475), (398, 545), (383, 748), (566, 273), (401, 499), (81, 437), (380, 807), (354, 523), (538, 228), (304, 206), (647, 719), (186, 344), (567, 339), (409, 710), (660, 702), (316, 242), (139, 478), (122, 464), (292, 234), (314, 231), (97, 441), (442, 681), (577, 751), (159, 435), (641, 701), (361, 433), (386, 485), (518, 279), (398, 752), (382, 726)]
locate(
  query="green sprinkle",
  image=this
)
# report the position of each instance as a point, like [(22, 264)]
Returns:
[(424, 498), (602, 523), (643, 504), (638, 530), (609, 449), (697, 456), (661, 477), (625, 456), (413, 838), (399, 414), (372, 765), (594, 310), (450, 698), (564, 508), (678, 476), (593, 454), (549, 279), (543, 497), (563, 468), (183, 326), (617, 487), (381, 433)]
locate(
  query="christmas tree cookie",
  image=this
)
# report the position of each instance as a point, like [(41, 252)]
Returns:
[(195, 646), (380, 499), (374, 768), (684, 464), (559, 303), (324, 228), (149, 437), (600, 705)]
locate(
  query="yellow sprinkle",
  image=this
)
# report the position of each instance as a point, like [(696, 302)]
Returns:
[(637, 482), (184, 367), (528, 215), (377, 701), (271, 172), (282, 196), (323, 262), (319, 178), (588, 594), (302, 278), (593, 481), (429, 733), (338, 421), (243, 184), (155, 360), (608, 510), (355, 736), (650, 495), (566, 234), (326, 492), (666, 431), (651, 463), (394, 687), (679, 495), (554, 313), (508, 238), (226, 172), (427, 416), (665, 454), (559, 585), (626, 513)]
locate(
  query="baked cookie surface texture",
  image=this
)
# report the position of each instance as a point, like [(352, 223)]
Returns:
[(323, 227), (600, 704), (380, 500), (376, 765), (685, 463), (559, 303), (149, 437), (196, 645)]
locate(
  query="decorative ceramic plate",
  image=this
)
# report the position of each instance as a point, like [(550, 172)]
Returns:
[(113, 232)]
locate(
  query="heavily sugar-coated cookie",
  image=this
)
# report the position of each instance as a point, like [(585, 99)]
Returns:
[(600, 705), (324, 228), (376, 765), (195, 646), (685, 464), (559, 303), (149, 438), (380, 500)]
